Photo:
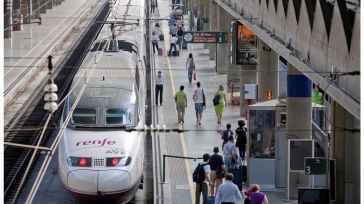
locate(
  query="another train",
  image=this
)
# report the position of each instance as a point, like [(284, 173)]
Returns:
[(98, 157)]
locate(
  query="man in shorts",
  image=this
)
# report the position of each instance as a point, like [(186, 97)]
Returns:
[(199, 99)]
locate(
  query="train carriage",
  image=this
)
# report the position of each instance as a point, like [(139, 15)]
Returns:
[(98, 157)]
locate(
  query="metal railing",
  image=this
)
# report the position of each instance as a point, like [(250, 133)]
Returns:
[(173, 156)]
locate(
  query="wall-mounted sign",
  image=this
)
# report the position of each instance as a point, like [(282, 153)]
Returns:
[(205, 37)]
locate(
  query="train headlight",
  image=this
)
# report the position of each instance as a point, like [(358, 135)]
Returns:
[(79, 161), (118, 161)]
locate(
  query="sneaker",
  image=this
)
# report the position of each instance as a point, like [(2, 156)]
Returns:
[(182, 121), (199, 123), (161, 105)]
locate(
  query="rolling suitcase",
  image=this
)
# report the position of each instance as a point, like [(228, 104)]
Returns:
[(160, 51), (210, 200), (238, 176), (184, 45)]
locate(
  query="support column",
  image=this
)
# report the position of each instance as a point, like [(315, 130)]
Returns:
[(267, 71), (346, 152), (247, 76), (299, 124), (50, 4), (43, 6), (36, 10), (213, 26), (222, 48), (8, 18), (206, 13), (233, 70), (27, 18)]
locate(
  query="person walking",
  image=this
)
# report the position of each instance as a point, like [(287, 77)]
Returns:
[(255, 196), (203, 170), (228, 192), (152, 5), (174, 30), (241, 139), (219, 108), (217, 170), (180, 37), (173, 44), (181, 103), (190, 66), (226, 134), (155, 39), (200, 102), (159, 81), (230, 155)]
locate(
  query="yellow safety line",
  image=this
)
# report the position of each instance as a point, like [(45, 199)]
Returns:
[(181, 136)]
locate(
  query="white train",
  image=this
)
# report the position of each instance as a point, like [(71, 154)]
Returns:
[(98, 159)]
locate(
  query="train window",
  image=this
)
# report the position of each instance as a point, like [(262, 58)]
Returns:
[(84, 116), (117, 116)]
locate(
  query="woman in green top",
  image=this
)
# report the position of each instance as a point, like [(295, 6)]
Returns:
[(219, 109)]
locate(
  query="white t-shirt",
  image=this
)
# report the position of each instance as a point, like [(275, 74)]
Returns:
[(174, 40), (207, 169), (198, 94), (229, 149)]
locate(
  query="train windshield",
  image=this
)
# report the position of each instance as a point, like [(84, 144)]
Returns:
[(84, 116), (119, 116)]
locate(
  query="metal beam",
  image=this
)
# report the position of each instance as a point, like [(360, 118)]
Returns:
[(349, 103)]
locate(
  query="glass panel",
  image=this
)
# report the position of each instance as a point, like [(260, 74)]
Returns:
[(84, 116), (262, 133), (118, 116)]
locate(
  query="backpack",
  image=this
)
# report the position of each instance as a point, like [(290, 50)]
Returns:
[(226, 134), (199, 173), (216, 100)]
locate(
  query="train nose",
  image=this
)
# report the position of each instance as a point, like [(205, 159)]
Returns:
[(113, 180), (94, 182)]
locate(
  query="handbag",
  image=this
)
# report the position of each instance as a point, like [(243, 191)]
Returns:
[(216, 100), (247, 200), (204, 98), (194, 76)]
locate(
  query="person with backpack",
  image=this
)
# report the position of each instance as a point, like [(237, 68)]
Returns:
[(230, 155), (226, 134), (241, 139), (190, 66), (202, 179), (217, 170), (219, 108)]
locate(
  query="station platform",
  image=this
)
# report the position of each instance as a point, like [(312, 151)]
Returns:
[(195, 140), (25, 53)]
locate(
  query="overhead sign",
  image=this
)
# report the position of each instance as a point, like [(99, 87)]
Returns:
[(316, 166), (205, 37)]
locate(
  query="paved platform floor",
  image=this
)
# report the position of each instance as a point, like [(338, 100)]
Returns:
[(196, 140)]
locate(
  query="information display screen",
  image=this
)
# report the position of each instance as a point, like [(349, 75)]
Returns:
[(313, 196), (205, 37)]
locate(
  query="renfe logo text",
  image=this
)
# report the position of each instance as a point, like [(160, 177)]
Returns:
[(96, 142)]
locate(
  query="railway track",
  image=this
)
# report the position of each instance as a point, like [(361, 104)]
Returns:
[(27, 126)]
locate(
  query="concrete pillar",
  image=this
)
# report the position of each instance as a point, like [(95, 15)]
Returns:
[(50, 4), (27, 19), (43, 6), (346, 152), (206, 13), (213, 26), (247, 76), (36, 10), (233, 70), (222, 53), (8, 18), (267, 71), (299, 124)]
